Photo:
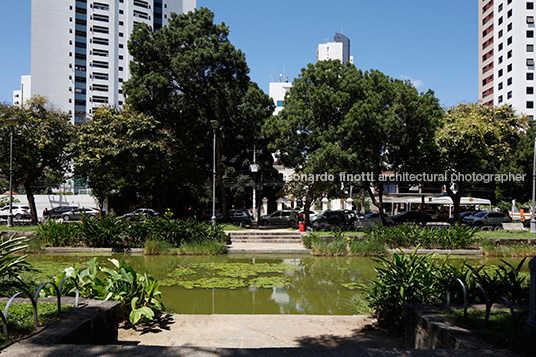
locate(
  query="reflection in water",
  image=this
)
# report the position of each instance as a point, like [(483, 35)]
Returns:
[(315, 286)]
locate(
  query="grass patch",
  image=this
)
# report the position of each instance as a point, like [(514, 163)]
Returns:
[(202, 248), (503, 234), (498, 332), (20, 319), (367, 247), (5, 228), (156, 247), (231, 227), (491, 249)]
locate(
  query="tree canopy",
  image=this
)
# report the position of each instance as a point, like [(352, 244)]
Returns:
[(41, 137)]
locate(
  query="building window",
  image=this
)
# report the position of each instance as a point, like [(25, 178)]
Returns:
[(121, 23), (500, 33), (509, 27), (509, 13), (500, 7), (500, 99), (530, 104), (120, 45), (120, 34), (530, 48), (500, 59), (509, 41), (530, 90), (509, 54), (509, 81), (530, 19), (530, 76), (500, 20), (509, 68), (120, 68), (530, 34), (500, 86), (120, 57), (530, 61), (530, 5), (509, 95), (500, 46), (500, 72), (121, 12)]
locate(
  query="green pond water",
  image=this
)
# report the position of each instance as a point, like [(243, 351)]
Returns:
[(245, 284)]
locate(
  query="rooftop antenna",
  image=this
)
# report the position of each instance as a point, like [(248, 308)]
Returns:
[(280, 76)]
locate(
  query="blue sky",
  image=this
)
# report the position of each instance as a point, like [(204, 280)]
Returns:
[(433, 43)]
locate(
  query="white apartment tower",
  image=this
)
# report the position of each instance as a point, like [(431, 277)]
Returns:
[(79, 55), (339, 49), (506, 54)]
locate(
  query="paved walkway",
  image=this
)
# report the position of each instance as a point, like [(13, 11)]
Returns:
[(260, 331)]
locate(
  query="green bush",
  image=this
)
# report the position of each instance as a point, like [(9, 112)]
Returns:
[(118, 233), (367, 247), (11, 265), (411, 235), (137, 292)]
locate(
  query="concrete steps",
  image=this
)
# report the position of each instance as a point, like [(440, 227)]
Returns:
[(251, 236)]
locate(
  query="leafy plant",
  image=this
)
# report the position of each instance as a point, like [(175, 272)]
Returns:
[(11, 265), (137, 292)]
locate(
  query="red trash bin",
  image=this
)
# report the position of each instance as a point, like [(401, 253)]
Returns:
[(302, 226)]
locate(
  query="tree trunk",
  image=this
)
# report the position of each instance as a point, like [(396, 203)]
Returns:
[(378, 203), (309, 199), (219, 180), (31, 203)]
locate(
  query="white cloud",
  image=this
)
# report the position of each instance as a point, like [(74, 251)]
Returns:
[(417, 83)]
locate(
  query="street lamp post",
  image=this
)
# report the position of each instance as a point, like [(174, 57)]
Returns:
[(214, 124), (10, 217)]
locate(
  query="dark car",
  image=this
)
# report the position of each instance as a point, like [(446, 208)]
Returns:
[(57, 212), (286, 218), (207, 214), (331, 219), (240, 217), (450, 220), (416, 217), (373, 219), (141, 211), (487, 219)]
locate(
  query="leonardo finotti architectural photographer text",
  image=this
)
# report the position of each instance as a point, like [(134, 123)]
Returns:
[(407, 177)]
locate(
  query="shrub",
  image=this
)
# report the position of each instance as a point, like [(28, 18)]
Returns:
[(367, 247), (137, 293), (410, 235), (11, 266), (57, 234)]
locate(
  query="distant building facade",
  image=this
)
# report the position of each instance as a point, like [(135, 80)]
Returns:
[(339, 49), (79, 55), (506, 44), (20, 96)]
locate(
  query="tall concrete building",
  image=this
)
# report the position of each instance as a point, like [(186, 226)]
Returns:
[(79, 55), (506, 54), (339, 49)]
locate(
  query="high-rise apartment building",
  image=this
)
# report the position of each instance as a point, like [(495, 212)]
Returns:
[(506, 54), (79, 55), (339, 49)]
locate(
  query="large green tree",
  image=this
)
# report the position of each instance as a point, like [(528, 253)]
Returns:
[(477, 139), (124, 153), (185, 75), (339, 119), (41, 137), (390, 127), (307, 133)]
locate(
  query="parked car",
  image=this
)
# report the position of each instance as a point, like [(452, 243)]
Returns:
[(487, 219), (77, 214), (208, 215), (450, 220), (372, 219), (351, 215), (280, 218), (57, 212), (140, 211), (330, 219), (18, 212), (312, 214), (246, 211), (417, 217), (240, 217)]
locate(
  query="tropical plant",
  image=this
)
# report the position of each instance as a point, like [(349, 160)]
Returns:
[(12, 265), (137, 292)]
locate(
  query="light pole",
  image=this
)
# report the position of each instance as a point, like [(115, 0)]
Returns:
[(10, 217), (214, 124), (532, 220)]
